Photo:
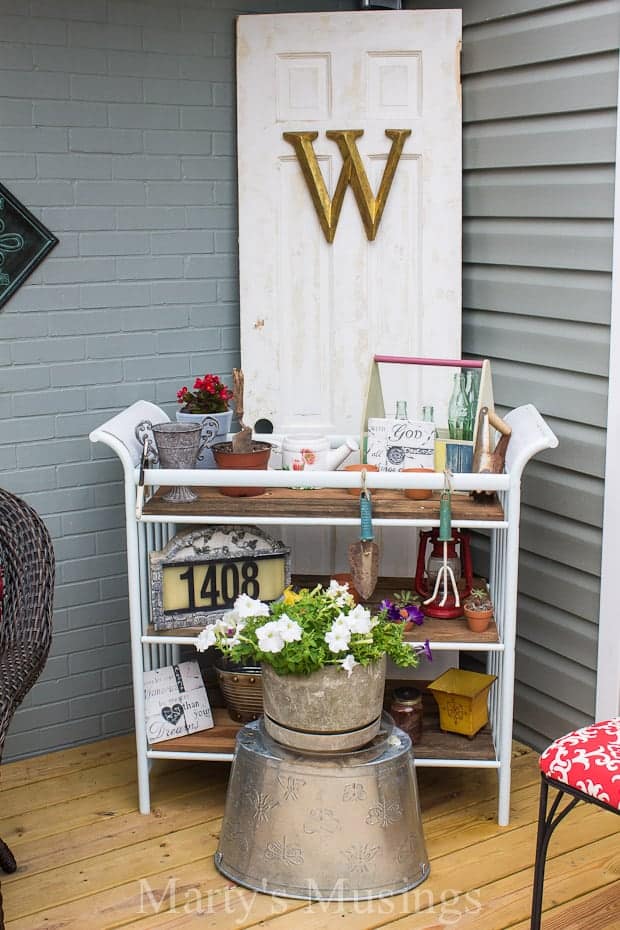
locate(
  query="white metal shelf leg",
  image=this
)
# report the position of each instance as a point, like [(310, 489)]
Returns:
[(137, 659), (509, 602)]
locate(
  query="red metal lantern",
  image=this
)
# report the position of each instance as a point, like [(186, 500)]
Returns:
[(445, 607)]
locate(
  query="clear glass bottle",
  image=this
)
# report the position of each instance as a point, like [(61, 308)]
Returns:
[(401, 409), (458, 408)]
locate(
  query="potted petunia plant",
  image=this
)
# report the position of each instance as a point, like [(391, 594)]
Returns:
[(404, 608), (323, 657), (208, 404)]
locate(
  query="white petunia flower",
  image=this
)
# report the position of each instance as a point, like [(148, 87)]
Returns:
[(269, 637), (290, 630), (341, 625), (205, 639), (348, 664), (339, 593), (337, 641), (359, 620), (246, 606)]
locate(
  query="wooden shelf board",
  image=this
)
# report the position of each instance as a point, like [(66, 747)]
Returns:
[(324, 502), (433, 629), (435, 743), (221, 738)]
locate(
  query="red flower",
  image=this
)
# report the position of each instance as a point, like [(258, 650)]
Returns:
[(209, 395)]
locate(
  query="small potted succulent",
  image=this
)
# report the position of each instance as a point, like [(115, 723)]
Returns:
[(206, 404), (478, 609)]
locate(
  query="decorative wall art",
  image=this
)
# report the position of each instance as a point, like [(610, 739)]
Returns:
[(176, 702), (24, 243)]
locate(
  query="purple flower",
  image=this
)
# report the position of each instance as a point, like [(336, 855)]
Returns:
[(426, 649), (399, 613), (415, 613)]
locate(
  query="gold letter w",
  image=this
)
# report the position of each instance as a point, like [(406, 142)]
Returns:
[(352, 172)]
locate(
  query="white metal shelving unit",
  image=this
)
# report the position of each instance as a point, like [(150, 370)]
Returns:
[(148, 531)]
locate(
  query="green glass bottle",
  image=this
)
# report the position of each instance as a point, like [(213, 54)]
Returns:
[(458, 408), (471, 393)]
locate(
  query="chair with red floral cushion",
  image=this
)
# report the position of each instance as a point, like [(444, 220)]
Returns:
[(585, 766), (27, 559)]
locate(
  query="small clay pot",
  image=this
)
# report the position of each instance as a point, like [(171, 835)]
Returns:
[(417, 494), (478, 620), (355, 492), (257, 459)]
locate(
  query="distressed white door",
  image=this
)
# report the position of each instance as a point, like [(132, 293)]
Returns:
[(312, 312)]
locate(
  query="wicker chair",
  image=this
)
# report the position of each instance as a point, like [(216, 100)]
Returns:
[(27, 559)]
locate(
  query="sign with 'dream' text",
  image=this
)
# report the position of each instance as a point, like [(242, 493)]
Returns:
[(396, 444), (176, 702)]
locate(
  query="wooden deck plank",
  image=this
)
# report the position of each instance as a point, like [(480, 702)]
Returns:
[(58, 836), (460, 869), (55, 764), (70, 787), (82, 860), (598, 910)]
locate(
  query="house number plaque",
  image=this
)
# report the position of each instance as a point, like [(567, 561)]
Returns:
[(198, 576)]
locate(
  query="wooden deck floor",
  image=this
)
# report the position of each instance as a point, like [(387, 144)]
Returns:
[(89, 861)]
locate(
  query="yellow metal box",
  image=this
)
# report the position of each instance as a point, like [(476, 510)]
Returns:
[(462, 700)]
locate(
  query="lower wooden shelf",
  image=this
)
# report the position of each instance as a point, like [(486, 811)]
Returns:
[(220, 738), (435, 745)]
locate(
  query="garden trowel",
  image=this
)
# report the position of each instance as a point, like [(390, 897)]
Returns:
[(364, 555), (241, 441)]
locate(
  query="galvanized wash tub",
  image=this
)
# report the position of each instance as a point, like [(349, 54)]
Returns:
[(342, 827)]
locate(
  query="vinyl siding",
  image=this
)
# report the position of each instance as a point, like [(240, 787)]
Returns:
[(540, 86)]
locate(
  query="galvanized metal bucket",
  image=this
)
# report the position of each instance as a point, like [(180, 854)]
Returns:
[(341, 827)]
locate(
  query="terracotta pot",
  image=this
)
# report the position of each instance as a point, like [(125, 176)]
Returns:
[(418, 494), (478, 620), (355, 492), (257, 459)]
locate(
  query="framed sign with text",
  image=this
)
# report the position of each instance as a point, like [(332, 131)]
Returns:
[(198, 576)]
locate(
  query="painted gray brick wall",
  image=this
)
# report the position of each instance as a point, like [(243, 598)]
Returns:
[(117, 128)]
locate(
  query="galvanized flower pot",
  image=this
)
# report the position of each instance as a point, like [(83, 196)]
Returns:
[(326, 711)]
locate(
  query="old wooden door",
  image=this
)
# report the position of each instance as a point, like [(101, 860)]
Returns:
[(312, 311)]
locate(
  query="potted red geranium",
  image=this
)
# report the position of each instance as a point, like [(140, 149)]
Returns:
[(207, 404)]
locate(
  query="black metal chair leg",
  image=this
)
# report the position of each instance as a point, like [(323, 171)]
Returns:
[(7, 859), (539, 865), (547, 822)]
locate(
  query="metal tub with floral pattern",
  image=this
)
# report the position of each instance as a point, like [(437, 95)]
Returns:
[(339, 827)]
